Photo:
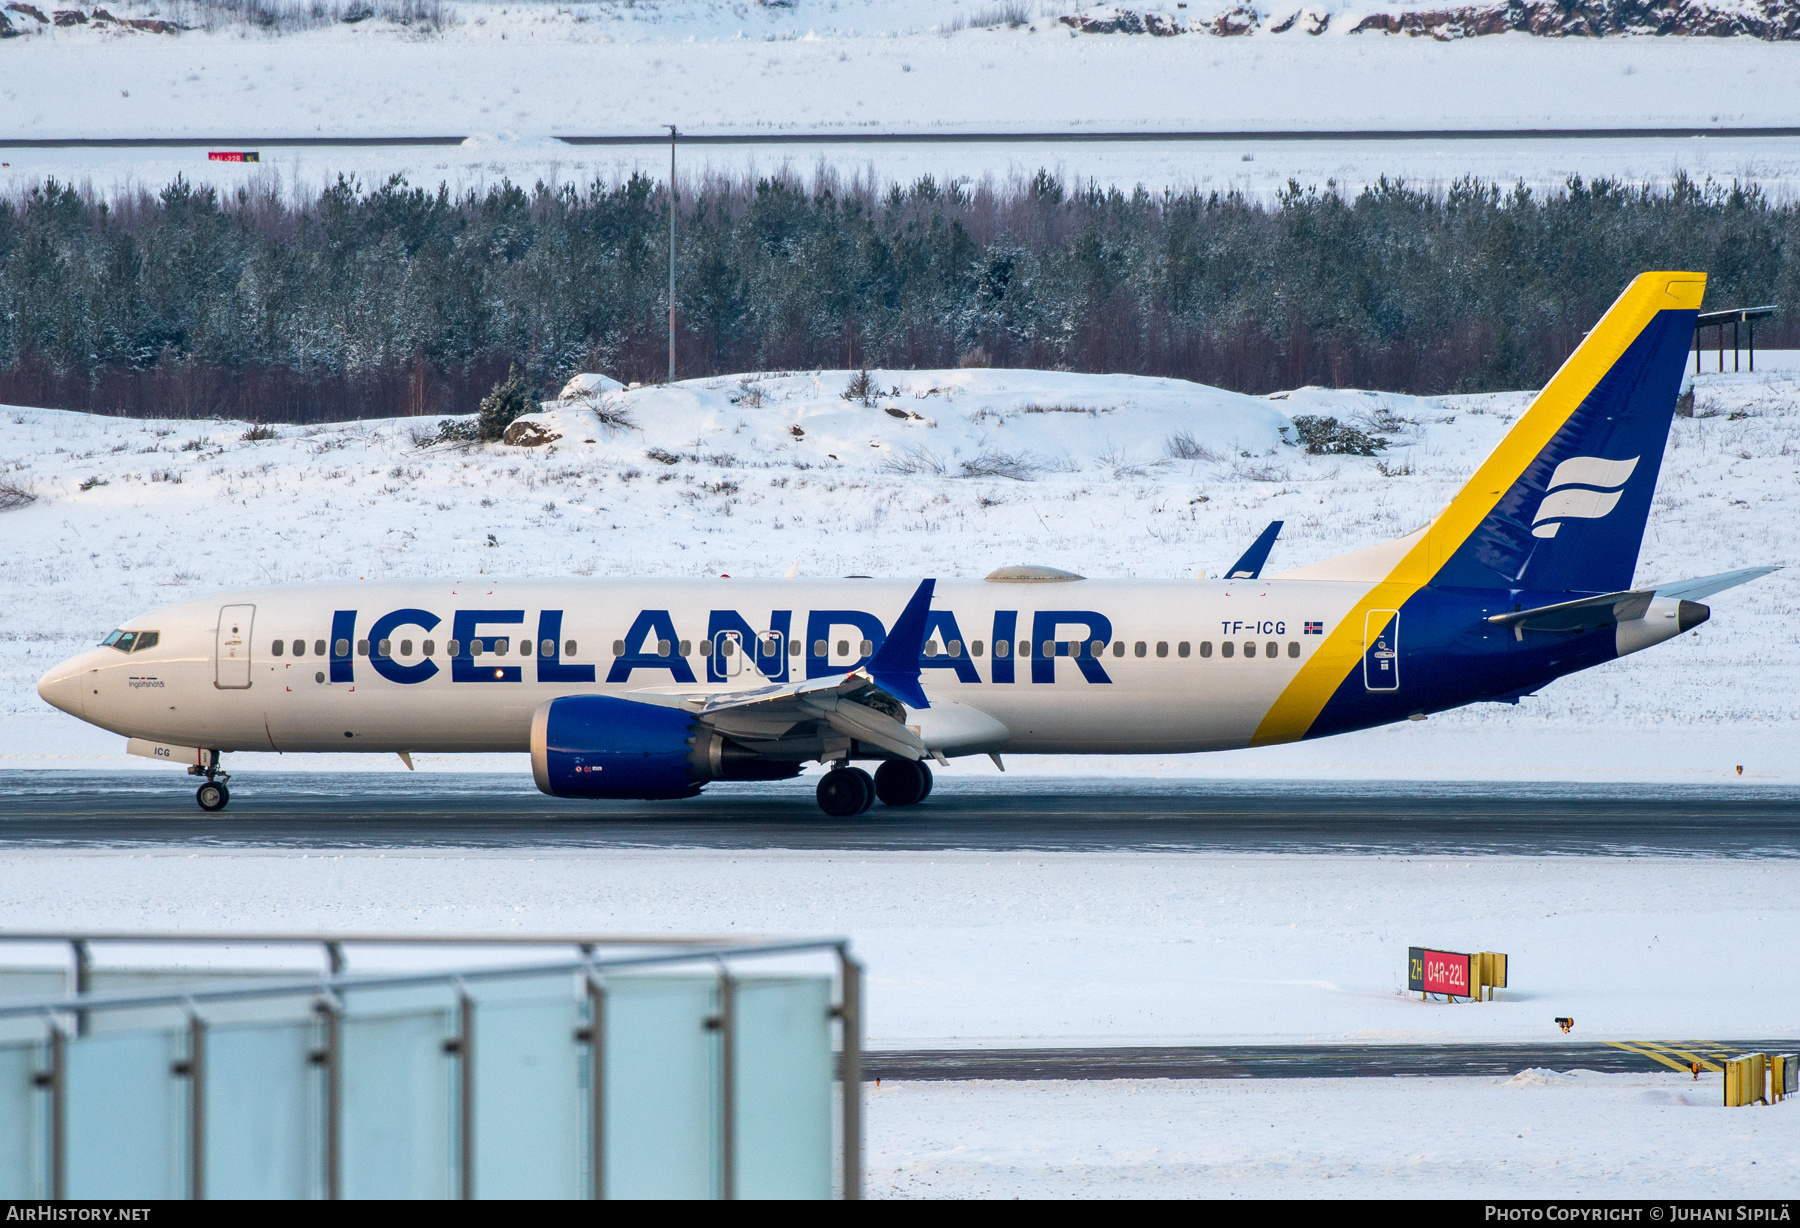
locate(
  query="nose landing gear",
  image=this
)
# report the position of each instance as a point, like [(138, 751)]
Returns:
[(212, 795)]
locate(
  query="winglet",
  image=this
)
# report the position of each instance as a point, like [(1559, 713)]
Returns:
[(895, 665), (1250, 566)]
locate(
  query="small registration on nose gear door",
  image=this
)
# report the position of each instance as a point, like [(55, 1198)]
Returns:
[(233, 659), (1381, 650)]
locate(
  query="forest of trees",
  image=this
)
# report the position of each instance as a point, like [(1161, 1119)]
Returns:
[(402, 300)]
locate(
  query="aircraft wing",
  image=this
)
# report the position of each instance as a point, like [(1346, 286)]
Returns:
[(854, 705), (1250, 566), (1706, 586)]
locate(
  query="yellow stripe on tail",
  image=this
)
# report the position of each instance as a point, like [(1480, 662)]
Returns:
[(1299, 705)]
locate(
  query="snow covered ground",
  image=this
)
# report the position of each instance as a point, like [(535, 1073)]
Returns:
[(1010, 949), (744, 476), (1007, 949), (512, 76), (1539, 1134)]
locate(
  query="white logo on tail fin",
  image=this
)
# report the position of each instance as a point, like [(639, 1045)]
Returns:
[(1564, 501)]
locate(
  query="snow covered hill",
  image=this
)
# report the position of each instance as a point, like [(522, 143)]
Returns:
[(948, 473)]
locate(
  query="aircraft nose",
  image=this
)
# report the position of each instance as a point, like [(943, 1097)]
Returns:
[(62, 688)]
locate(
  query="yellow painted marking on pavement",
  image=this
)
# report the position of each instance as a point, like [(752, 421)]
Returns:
[(1299, 705), (1653, 1055)]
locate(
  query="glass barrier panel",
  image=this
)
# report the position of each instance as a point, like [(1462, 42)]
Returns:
[(782, 1065), (398, 1087), (661, 1088), (264, 1111), (126, 1130), (529, 1098), (22, 1122)]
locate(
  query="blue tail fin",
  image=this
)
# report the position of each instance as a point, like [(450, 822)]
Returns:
[(1568, 490)]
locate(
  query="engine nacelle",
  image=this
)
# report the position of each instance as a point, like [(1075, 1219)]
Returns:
[(599, 746)]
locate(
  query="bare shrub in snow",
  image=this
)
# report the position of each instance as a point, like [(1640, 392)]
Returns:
[(861, 388), (976, 357), (1183, 446), (914, 460), (259, 431), (661, 456), (1019, 466), (15, 494)]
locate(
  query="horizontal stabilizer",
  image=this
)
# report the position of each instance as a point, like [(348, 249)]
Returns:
[(1706, 586), (1250, 566), (1602, 611)]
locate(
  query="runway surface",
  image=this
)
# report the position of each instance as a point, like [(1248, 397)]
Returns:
[(432, 810), (1271, 1061)]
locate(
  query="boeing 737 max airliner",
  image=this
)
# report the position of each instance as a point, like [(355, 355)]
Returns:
[(652, 688)]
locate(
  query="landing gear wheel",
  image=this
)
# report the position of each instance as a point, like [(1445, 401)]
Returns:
[(212, 795), (902, 782), (846, 792)]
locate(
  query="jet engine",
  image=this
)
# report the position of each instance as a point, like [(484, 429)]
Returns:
[(601, 746)]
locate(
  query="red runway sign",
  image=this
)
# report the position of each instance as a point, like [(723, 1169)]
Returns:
[(1445, 972), (233, 155)]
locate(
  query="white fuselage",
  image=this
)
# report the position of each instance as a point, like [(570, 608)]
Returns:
[(1160, 680)]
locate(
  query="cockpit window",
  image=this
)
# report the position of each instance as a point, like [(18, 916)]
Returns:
[(131, 641)]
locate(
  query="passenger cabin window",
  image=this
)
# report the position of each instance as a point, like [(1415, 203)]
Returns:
[(865, 647), (318, 648), (275, 649), (299, 648), (618, 648), (1140, 649), (1024, 648), (1162, 648), (406, 648), (385, 648), (343, 648), (476, 648), (1002, 649), (429, 647), (1272, 650), (793, 648), (362, 648), (843, 648), (569, 649), (1206, 648), (1293, 648), (1181, 649), (500, 647), (664, 648), (1118, 648), (548, 649), (524, 648), (1227, 648), (452, 648), (1049, 648), (931, 649), (1249, 648), (974, 648), (955, 647)]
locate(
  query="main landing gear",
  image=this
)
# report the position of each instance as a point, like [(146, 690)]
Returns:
[(847, 791), (212, 795)]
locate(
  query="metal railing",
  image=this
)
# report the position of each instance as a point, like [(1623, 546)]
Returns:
[(757, 1030)]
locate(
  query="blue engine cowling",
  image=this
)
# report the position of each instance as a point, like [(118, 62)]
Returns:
[(598, 746)]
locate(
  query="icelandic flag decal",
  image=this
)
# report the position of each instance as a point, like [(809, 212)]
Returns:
[(1315, 628)]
